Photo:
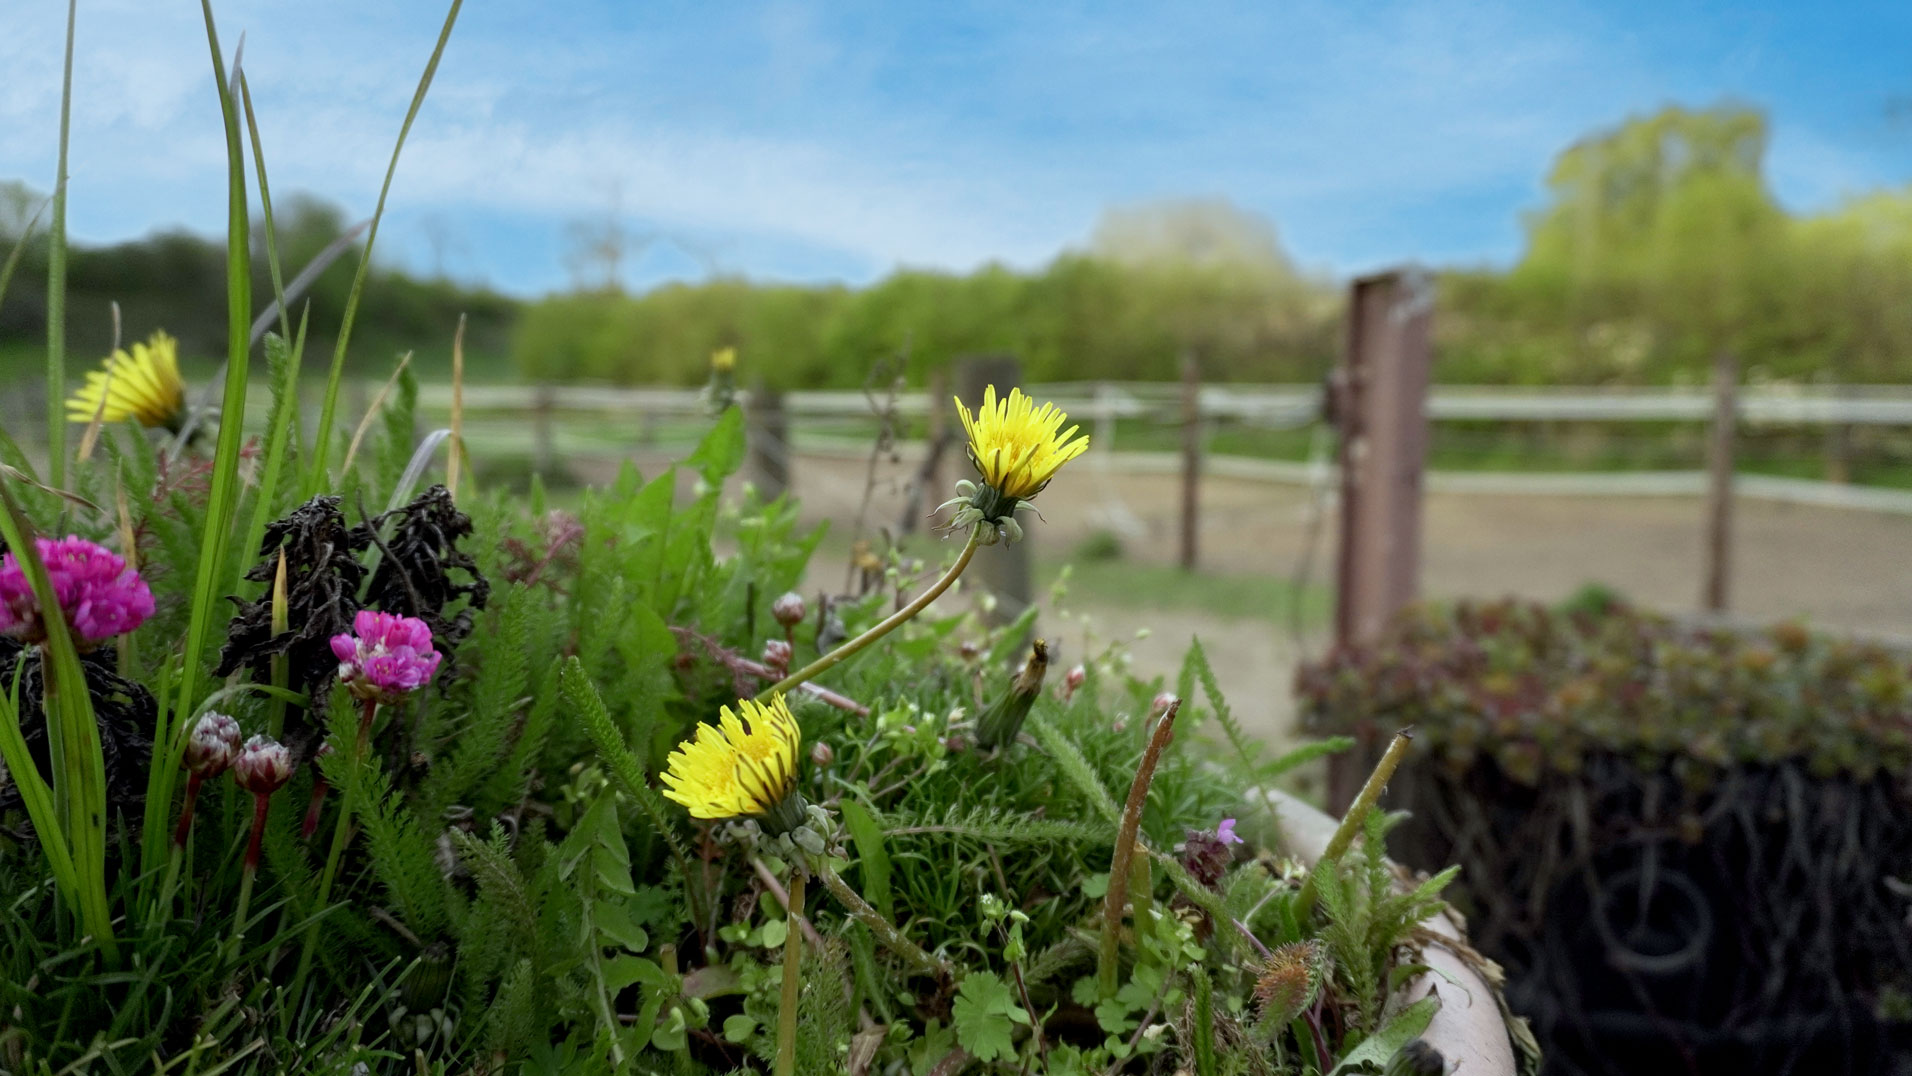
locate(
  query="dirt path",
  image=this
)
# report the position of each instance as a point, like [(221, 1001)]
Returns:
[(1839, 569)]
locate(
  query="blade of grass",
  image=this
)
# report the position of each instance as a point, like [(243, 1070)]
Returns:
[(223, 486), (265, 204), (19, 249), (316, 474), (56, 282), (73, 735), (92, 435), (371, 412), (283, 367), (35, 795)]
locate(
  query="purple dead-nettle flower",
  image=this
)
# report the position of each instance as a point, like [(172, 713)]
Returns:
[(385, 657), (99, 596), (1206, 855), (213, 745), (1225, 832)]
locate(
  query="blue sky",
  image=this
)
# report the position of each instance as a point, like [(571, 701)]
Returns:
[(806, 141)]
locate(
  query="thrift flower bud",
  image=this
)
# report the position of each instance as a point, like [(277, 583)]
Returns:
[(822, 754), (776, 654), (386, 657), (99, 596), (789, 609), (213, 746), (998, 725), (263, 766), (1073, 681)]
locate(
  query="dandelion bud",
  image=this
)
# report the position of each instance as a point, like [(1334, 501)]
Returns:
[(998, 725), (822, 754), (789, 609), (213, 745), (1073, 681), (776, 654), (263, 766)]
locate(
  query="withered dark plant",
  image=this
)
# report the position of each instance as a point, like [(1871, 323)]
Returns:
[(124, 710), (323, 574), (418, 574)]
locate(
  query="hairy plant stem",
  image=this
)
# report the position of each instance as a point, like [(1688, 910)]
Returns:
[(889, 624), (792, 980), (1125, 844), (1356, 817), (882, 928)]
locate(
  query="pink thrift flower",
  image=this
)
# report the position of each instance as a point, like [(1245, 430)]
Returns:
[(385, 657), (99, 596)]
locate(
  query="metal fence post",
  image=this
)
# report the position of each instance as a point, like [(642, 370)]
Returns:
[(1380, 408)]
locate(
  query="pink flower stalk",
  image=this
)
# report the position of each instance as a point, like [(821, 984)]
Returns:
[(99, 596), (262, 768), (210, 750), (385, 657)]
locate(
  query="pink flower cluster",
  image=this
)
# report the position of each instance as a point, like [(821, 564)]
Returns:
[(99, 595), (385, 657)]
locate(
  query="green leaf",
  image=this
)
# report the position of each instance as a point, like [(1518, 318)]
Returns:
[(615, 923), (774, 932), (622, 971), (872, 861), (739, 1027), (982, 1016), (1406, 1026), (722, 450)]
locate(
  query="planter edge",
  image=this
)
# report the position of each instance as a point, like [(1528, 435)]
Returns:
[(1469, 1029)]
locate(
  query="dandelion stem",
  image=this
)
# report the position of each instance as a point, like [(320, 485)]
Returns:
[(890, 623), (1356, 817), (792, 981), (884, 930)]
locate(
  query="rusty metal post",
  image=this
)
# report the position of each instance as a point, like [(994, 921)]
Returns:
[(1718, 566), (1002, 570), (768, 442), (1380, 408), (1191, 460)]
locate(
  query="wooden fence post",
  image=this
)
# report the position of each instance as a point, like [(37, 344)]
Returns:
[(931, 485), (1002, 570), (542, 401), (1191, 460), (1379, 404), (1718, 564), (769, 442)]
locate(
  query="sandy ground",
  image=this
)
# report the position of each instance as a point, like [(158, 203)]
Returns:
[(1839, 569)]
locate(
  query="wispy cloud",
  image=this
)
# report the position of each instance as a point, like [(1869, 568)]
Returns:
[(942, 135)]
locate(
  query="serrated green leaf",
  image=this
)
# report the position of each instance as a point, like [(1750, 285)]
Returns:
[(615, 923), (1406, 1026)]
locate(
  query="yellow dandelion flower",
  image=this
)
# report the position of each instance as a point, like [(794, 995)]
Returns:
[(724, 360), (1017, 448), (143, 386), (745, 766)]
